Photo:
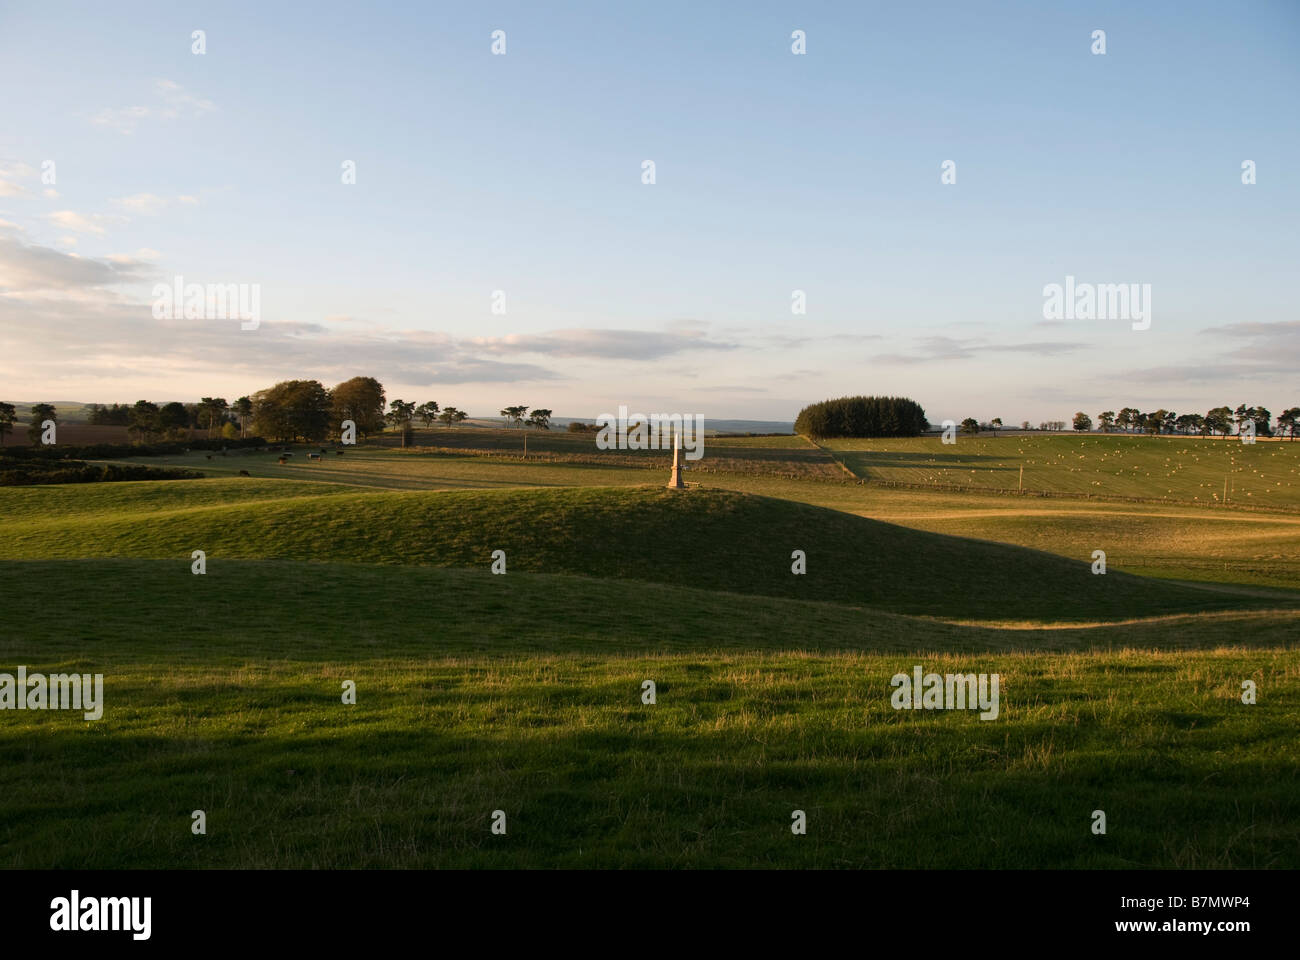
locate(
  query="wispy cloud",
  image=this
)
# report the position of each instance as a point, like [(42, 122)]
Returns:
[(79, 223), (949, 348), (150, 204), (601, 344), (171, 101)]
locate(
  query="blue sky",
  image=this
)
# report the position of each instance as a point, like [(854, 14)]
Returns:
[(774, 173)]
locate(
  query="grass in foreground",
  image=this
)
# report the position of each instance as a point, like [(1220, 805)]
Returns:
[(235, 709)]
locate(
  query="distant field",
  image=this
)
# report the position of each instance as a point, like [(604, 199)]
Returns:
[(780, 456), (1194, 470), (73, 434)]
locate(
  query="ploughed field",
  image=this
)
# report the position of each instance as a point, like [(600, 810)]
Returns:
[(523, 692)]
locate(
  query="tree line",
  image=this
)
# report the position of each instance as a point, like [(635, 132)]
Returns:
[(291, 410), (1219, 421)]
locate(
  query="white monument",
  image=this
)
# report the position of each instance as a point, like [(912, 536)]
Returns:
[(675, 481)]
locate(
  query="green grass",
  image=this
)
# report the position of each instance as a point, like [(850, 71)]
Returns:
[(1193, 470), (712, 539), (521, 693)]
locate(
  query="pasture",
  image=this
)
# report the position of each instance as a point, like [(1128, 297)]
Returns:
[(523, 692)]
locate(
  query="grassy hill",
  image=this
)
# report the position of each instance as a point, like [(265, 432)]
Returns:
[(710, 539)]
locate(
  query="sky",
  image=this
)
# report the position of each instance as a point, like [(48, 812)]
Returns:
[(774, 172)]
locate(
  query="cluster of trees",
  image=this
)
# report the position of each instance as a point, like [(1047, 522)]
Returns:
[(402, 413), (520, 417), (971, 425), (862, 417), (144, 420), (305, 409), (289, 411), (1220, 420)]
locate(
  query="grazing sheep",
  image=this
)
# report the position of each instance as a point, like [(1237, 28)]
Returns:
[(244, 473)]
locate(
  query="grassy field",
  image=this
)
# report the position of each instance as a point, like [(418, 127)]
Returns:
[(1195, 470), (478, 692)]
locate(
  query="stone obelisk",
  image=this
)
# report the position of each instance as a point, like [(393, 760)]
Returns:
[(675, 481)]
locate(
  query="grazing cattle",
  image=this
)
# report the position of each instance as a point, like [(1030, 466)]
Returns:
[(209, 456), (283, 461), (313, 456), (244, 473), (339, 452)]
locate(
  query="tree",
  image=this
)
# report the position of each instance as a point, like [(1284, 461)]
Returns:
[(428, 412), (211, 412), (1106, 420), (862, 417), (451, 415), (1219, 419), (293, 409), (8, 416), (173, 417), (1129, 417), (1241, 415), (1261, 416), (360, 400), (1082, 422), (244, 408), (1024, 424), (514, 414), (1286, 422), (144, 420), (40, 413), (116, 415), (400, 413), (540, 418), (459, 415), (1153, 422), (970, 425), (996, 424)]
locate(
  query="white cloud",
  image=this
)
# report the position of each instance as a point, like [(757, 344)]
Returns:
[(603, 344), (71, 220), (146, 203), (175, 102), (150, 204)]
